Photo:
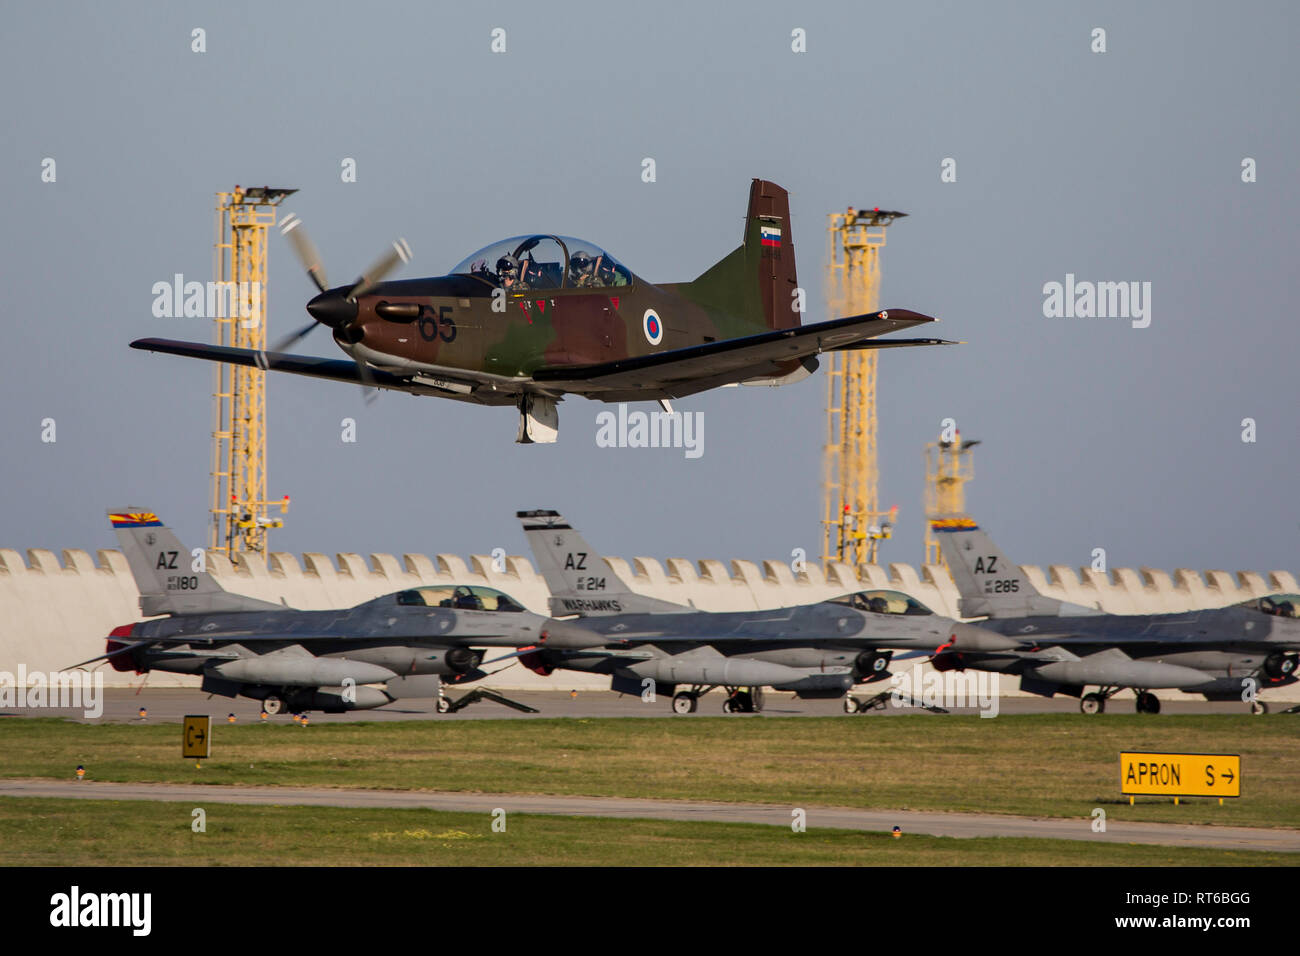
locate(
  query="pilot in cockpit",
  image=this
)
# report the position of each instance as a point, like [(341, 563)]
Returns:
[(582, 272), (608, 274), (508, 272)]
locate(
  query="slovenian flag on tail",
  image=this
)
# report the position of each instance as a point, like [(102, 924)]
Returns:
[(770, 236)]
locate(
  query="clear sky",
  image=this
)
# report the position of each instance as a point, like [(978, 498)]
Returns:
[(1116, 166)]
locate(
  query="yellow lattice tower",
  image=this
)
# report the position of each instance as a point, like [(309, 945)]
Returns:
[(948, 466), (240, 511), (852, 523)]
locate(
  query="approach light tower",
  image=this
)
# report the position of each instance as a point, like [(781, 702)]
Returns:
[(852, 524), (948, 466), (240, 511)]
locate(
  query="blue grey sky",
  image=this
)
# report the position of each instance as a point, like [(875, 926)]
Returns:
[(1123, 165)]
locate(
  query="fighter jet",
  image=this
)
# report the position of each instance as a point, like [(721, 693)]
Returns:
[(528, 320), (816, 650), (1223, 654), (399, 645)]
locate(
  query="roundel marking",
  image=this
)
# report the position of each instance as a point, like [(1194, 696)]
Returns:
[(884, 315), (653, 327)]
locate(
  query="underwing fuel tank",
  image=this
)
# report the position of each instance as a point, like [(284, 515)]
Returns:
[(301, 671), (716, 669), (339, 699), (1117, 669)]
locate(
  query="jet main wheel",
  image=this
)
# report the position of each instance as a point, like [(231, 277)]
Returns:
[(444, 705), (1258, 707), (1093, 704), (684, 703), (1148, 703), (273, 705), (728, 707), (851, 705)]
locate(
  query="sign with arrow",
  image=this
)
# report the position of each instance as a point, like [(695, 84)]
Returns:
[(197, 740), (1180, 775)]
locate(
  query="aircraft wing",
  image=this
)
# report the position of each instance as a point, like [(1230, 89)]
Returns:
[(338, 370), (680, 372)]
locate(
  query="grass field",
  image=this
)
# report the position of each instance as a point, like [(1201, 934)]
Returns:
[(45, 832), (1045, 764)]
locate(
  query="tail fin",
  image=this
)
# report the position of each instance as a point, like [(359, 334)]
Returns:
[(990, 585), (757, 281), (579, 579), (171, 580)]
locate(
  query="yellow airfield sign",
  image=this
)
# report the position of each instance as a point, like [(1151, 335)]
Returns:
[(197, 741), (1180, 775)]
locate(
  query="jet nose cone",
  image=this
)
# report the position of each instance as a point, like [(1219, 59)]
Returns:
[(968, 637), (332, 309)]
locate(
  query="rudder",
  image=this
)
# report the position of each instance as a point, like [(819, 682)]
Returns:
[(165, 572), (579, 579), (757, 280)]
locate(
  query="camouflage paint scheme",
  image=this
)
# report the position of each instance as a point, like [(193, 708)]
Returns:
[(462, 336)]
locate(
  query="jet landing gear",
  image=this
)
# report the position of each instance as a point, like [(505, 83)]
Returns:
[(740, 700), (743, 700), (1096, 703), (1147, 702)]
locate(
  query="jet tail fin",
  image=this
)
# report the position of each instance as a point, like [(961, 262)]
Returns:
[(171, 580), (579, 580), (990, 585)]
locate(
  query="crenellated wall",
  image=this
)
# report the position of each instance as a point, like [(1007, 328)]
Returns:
[(56, 612)]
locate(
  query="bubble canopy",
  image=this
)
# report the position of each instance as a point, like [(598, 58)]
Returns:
[(523, 263)]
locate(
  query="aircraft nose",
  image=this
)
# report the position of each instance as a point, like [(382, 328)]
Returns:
[(332, 309)]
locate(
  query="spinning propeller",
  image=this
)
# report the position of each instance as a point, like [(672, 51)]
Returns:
[(337, 308)]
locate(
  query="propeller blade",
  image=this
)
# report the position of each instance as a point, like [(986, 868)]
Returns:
[(290, 339), (293, 230), (369, 390), (390, 260)]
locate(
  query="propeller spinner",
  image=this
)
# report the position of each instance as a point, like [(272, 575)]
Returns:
[(337, 308)]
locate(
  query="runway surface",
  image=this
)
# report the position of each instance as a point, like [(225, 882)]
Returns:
[(170, 704), (839, 818)]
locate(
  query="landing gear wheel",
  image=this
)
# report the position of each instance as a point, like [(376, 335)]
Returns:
[(273, 705), (443, 705), (1148, 703), (851, 705), (684, 703), (1258, 707), (728, 707), (1093, 704)]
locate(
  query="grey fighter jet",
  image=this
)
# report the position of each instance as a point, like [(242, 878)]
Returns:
[(400, 645), (1228, 653), (815, 650)]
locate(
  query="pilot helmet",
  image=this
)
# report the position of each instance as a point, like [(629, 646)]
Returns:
[(580, 261), (507, 265)]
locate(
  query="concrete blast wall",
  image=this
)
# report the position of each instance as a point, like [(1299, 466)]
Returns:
[(54, 613)]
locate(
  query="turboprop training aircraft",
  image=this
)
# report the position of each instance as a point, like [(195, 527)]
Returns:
[(531, 319)]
